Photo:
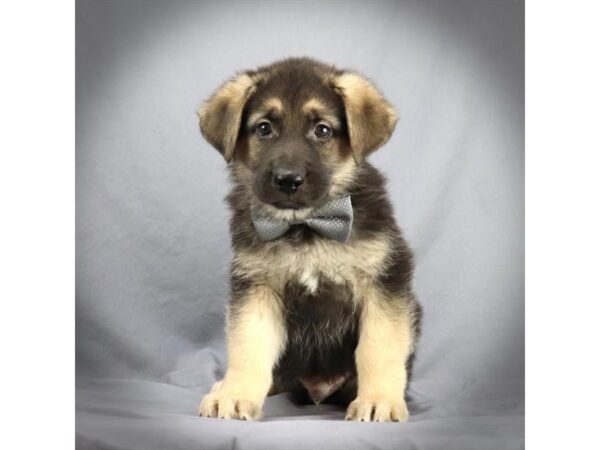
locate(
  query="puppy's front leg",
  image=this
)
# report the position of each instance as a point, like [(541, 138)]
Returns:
[(384, 345), (255, 339)]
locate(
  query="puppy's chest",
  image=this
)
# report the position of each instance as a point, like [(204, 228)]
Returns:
[(316, 266), (313, 274), (329, 302), (322, 317)]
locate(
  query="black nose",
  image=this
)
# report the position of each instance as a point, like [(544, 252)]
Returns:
[(287, 181)]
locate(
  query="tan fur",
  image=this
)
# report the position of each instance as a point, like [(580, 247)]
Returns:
[(314, 106), (343, 175), (384, 345), (274, 103), (371, 119), (255, 339), (286, 214), (270, 105), (354, 263), (220, 117)]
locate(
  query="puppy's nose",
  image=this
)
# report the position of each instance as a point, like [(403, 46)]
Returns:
[(287, 181)]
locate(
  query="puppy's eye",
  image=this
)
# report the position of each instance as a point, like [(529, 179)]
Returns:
[(322, 131), (264, 129)]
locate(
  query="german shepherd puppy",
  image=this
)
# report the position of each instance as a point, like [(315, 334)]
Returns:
[(321, 300)]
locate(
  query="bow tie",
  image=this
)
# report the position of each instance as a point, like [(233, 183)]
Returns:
[(332, 220)]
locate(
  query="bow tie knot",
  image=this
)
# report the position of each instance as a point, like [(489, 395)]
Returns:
[(332, 220)]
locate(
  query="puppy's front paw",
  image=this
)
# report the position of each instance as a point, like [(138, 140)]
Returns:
[(377, 410), (228, 407)]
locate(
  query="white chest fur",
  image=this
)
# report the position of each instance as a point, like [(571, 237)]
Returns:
[(279, 262)]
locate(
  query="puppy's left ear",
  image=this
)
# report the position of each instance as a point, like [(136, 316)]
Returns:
[(370, 117), (221, 115)]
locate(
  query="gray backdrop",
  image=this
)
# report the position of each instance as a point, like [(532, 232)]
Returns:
[(152, 228)]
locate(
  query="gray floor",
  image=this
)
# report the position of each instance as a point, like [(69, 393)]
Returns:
[(135, 414), (152, 240)]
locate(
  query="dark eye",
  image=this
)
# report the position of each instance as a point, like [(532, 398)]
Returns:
[(322, 131), (264, 129)]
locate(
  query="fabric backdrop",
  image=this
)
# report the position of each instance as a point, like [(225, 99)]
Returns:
[(152, 228)]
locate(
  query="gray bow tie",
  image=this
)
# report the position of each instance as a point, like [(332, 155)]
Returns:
[(332, 220)]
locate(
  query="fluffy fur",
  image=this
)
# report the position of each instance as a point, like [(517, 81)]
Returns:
[(307, 314)]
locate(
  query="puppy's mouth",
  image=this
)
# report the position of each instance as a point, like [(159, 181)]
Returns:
[(288, 204)]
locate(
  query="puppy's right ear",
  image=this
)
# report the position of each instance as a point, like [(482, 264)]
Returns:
[(221, 115)]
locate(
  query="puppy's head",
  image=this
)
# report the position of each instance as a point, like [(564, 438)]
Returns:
[(294, 132)]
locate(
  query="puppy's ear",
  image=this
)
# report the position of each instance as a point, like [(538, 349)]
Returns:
[(221, 115), (370, 118)]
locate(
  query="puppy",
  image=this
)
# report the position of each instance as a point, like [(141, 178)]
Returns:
[(321, 300)]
